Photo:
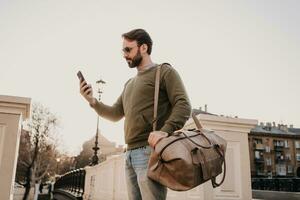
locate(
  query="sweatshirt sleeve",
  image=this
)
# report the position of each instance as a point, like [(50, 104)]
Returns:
[(181, 108), (113, 113)]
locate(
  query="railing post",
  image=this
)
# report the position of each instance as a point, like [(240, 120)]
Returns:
[(77, 181), (72, 182)]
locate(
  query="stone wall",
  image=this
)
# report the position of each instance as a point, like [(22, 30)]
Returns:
[(107, 180)]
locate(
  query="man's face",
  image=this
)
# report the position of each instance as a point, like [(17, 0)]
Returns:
[(132, 53)]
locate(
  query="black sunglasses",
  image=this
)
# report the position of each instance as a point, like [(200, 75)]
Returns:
[(127, 49)]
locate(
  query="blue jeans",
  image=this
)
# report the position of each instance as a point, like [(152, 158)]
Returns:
[(139, 186)]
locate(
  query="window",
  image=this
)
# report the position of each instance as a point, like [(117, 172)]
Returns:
[(286, 144), (268, 149), (279, 156), (290, 169), (298, 156), (257, 154), (269, 174), (268, 162), (259, 170), (258, 144), (257, 141), (288, 156), (278, 143), (297, 144), (281, 170)]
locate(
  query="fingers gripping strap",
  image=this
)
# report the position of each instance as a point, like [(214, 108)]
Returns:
[(156, 92)]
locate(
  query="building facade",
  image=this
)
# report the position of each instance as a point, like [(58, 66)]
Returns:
[(274, 151)]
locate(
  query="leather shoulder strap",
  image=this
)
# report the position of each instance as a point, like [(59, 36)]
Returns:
[(156, 93), (198, 124)]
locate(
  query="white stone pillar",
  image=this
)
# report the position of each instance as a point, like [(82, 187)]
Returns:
[(237, 184), (106, 180), (12, 111)]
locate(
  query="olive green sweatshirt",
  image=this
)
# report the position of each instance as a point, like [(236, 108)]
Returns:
[(136, 103)]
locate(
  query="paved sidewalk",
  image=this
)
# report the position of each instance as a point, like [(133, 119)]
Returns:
[(43, 197), (275, 195), (19, 193)]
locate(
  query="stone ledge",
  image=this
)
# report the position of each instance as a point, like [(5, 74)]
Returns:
[(15, 105)]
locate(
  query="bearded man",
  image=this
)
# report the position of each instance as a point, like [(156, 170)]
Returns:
[(136, 104)]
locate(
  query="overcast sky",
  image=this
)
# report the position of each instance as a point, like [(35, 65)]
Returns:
[(239, 57)]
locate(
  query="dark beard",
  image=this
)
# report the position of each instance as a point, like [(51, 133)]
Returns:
[(136, 60)]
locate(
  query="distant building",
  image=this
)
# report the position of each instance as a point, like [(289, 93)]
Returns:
[(107, 148), (274, 150), (199, 110)]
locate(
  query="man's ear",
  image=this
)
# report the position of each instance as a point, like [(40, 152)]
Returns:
[(144, 48)]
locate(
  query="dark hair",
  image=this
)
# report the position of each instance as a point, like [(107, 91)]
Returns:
[(141, 36)]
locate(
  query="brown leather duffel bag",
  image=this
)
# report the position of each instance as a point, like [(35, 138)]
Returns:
[(186, 158)]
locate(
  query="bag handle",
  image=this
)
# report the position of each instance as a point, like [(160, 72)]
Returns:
[(199, 145), (213, 180)]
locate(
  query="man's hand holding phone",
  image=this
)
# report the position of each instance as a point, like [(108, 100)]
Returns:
[(86, 90)]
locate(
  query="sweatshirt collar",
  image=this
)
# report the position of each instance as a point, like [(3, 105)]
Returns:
[(147, 68)]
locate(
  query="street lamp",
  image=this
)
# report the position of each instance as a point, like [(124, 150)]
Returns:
[(95, 158), (57, 161)]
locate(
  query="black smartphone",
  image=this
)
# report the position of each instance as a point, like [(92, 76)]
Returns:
[(81, 78)]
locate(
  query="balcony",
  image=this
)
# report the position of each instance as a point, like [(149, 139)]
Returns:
[(280, 160), (278, 148), (260, 173), (288, 159), (259, 160), (259, 147)]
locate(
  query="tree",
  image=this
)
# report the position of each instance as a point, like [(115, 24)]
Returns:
[(66, 164), (37, 148)]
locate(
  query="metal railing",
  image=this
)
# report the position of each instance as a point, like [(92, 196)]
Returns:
[(276, 184), (70, 185)]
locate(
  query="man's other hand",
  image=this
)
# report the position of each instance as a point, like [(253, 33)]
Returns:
[(155, 137), (86, 91)]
